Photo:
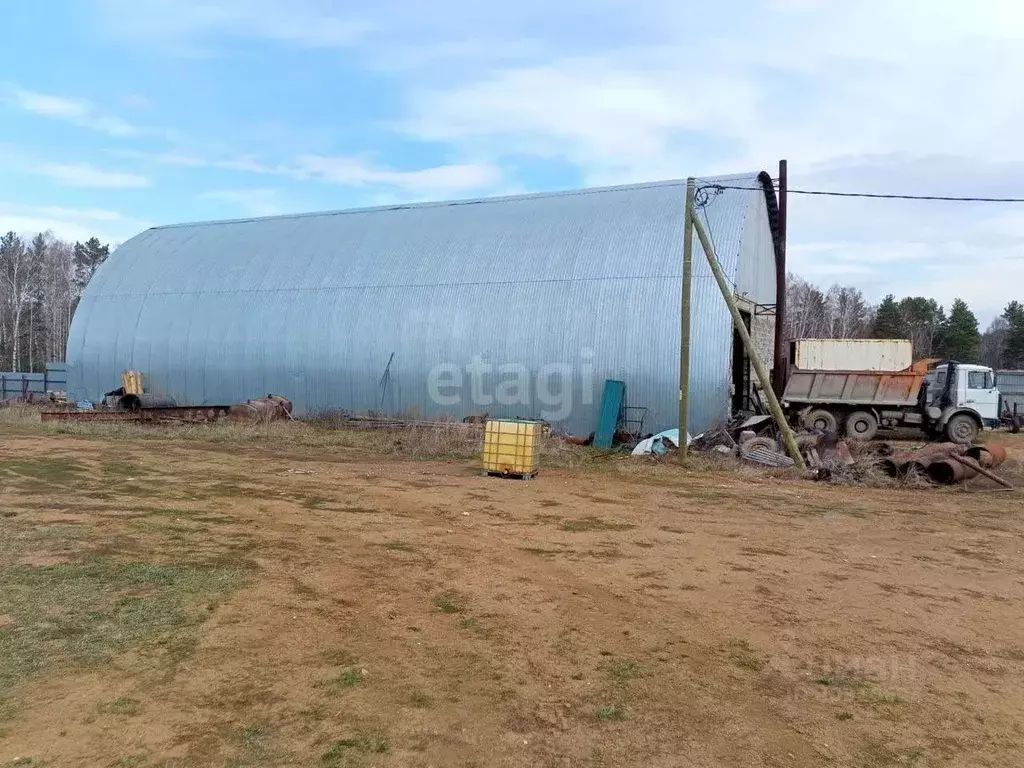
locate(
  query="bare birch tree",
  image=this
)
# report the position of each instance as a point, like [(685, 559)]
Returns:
[(40, 284)]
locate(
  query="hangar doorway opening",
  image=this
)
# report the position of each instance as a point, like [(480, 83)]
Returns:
[(741, 370)]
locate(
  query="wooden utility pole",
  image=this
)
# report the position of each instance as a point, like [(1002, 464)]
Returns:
[(762, 375), (684, 331), (780, 282)]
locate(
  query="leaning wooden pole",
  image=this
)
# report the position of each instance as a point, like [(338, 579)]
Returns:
[(684, 331), (762, 375)]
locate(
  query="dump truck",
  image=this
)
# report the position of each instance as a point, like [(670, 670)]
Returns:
[(943, 398)]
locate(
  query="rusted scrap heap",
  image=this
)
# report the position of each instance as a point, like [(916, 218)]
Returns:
[(944, 463)]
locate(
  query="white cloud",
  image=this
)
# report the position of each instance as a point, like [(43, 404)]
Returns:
[(190, 28), (168, 157), (906, 96), (246, 164), (817, 83), (358, 172), (83, 175), (136, 101), (615, 121), (75, 111), (915, 96), (69, 223), (259, 201)]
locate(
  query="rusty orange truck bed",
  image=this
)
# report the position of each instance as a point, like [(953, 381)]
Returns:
[(864, 388)]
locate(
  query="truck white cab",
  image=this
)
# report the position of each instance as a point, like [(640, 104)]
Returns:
[(962, 400)]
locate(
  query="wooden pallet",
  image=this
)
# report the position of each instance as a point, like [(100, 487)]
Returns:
[(512, 475)]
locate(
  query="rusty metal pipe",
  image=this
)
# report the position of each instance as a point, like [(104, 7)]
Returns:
[(949, 472), (891, 468), (921, 460), (969, 464), (990, 455)]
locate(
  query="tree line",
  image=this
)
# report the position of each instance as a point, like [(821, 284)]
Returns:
[(41, 281), (842, 312)]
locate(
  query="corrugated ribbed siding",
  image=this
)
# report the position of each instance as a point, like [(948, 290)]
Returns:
[(313, 306)]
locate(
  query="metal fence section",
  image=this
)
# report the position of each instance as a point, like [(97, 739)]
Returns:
[(23, 385), (1011, 389)]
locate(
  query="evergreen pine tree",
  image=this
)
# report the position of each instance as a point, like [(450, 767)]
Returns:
[(1013, 342), (88, 256), (960, 336), (888, 320)]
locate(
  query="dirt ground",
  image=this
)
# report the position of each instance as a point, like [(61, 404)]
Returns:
[(173, 603)]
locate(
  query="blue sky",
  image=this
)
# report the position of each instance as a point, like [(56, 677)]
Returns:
[(119, 114)]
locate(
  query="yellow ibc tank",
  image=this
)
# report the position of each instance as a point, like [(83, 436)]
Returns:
[(132, 382), (511, 447)]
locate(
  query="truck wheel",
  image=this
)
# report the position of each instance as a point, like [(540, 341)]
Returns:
[(861, 425), (961, 428), (822, 421)]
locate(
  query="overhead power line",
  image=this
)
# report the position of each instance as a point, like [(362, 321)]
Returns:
[(877, 196)]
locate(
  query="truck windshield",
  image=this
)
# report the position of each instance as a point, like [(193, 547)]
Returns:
[(980, 380)]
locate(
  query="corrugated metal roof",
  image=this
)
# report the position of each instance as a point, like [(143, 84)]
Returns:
[(580, 285)]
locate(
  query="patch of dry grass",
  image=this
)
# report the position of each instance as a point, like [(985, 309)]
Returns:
[(441, 440), (19, 414), (454, 440)]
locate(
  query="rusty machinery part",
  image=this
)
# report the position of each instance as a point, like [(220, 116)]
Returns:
[(758, 445), (821, 420), (169, 414), (902, 463), (961, 428), (947, 463), (138, 402), (261, 409), (861, 425), (71, 415), (762, 455), (990, 455), (920, 466), (272, 403), (949, 472), (970, 464)]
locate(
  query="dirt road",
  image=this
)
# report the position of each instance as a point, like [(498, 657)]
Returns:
[(187, 604)]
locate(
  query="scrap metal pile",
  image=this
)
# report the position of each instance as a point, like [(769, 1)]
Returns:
[(829, 456), (823, 453), (154, 409), (944, 463)]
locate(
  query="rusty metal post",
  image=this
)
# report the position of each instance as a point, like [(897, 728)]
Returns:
[(737, 320), (779, 365), (684, 331)]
